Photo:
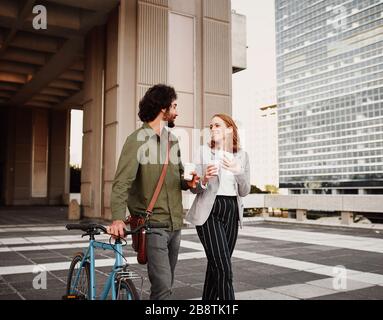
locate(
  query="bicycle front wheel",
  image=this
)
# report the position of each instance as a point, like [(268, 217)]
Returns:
[(126, 290), (81, 287)]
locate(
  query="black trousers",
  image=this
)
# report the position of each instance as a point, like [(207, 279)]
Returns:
[(218, 236)]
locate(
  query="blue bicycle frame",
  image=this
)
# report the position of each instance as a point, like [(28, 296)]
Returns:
[(111, 281)]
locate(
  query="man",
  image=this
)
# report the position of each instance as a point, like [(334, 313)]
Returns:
[(136, 178)]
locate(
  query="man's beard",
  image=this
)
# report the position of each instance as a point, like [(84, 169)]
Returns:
[(171, 124), (169, 121)]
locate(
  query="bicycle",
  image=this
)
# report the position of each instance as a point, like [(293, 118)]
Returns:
[(81, 283)]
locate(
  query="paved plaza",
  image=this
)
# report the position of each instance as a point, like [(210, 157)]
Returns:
[(271, 261)]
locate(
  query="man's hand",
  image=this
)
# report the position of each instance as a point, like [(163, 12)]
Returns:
[(193, 183), (117, 228)]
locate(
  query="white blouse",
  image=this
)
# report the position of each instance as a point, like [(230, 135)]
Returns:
[(226, 178), (226, 184)]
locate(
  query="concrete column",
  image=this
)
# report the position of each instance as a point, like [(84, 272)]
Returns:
[(3, 152), (58, 165), (40, 153), (74, 210), (277, 212), (217, 62), (347, 218), (120, 96), (9, 180), (301, 215), (362, 191), (265, 213), (20, 167), (91, 172)]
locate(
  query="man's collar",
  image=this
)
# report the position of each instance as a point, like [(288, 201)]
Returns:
[(149, 130)]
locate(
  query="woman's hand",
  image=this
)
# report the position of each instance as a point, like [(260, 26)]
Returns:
[(232, 165), (211, 171)]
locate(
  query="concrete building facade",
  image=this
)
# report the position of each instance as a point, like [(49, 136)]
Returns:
[(100, 56)]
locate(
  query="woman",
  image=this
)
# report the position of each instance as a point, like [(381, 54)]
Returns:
[(218, 207)]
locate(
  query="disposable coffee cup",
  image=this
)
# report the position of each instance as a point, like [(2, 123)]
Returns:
[(216, 163), (188, 169)]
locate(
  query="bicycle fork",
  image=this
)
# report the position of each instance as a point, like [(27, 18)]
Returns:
[(111, 281)]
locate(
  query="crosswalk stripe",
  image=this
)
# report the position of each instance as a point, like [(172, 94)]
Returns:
[(45, 247), (47, 239), (79, 244), (32, 225), (7, 241), (332, 271), (31, 229), (308, 290), (57, 266), (316, 238)]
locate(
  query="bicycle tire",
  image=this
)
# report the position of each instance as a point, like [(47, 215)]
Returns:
[(127, 290), (84, 291)]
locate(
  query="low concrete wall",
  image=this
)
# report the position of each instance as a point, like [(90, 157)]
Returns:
[(368, 203), (351, 203), (278, 201), (255, 201), (345, 204), (320, 203)]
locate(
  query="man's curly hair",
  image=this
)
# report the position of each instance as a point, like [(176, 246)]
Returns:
[(155, 99)]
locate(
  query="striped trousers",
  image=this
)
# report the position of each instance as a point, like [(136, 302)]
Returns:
[(218, 236)]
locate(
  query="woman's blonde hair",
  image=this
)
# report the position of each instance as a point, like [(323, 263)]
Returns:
[(229, 122)]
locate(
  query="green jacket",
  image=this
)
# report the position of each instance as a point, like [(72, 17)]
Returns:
[(138, 171)]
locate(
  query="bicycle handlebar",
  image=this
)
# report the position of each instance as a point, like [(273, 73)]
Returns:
[(86, 227), (89, 227), (148, 225)]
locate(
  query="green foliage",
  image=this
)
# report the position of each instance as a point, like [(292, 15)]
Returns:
[(255, 189), (271, 189), (75, 179)]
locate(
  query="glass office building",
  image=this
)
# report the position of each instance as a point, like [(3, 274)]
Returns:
[(330, 95)]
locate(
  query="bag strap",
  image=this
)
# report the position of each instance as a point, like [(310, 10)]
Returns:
[(161, 180)]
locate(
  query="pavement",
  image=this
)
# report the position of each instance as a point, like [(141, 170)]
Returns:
[(272, 260)]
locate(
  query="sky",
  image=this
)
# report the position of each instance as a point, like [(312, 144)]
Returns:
[(255, 87), (75, 141), (257, 84)]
